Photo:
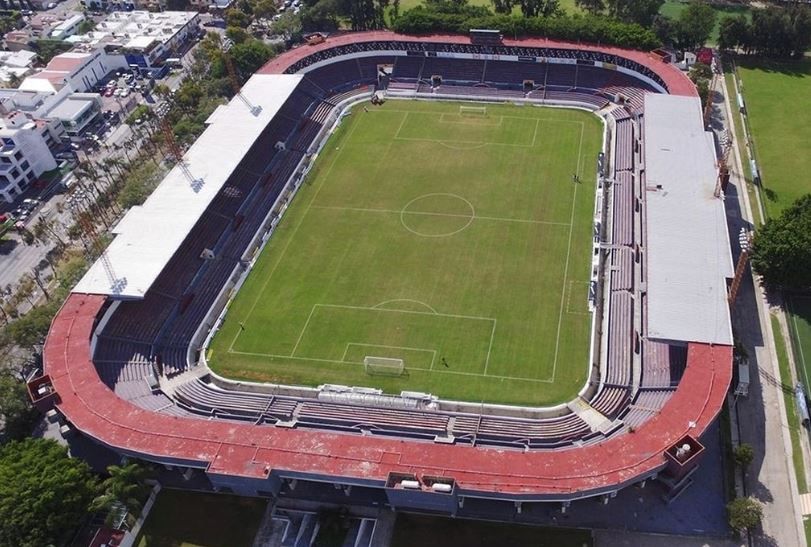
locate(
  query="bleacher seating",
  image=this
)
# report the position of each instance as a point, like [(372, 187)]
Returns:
[(623, 210), (157, 330)]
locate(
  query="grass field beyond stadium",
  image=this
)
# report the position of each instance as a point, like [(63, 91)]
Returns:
[(458, 243), (775, 93)]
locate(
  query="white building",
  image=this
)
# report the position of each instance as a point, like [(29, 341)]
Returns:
[(68, 27), (82, 71), (144, 38), (24, 155), (16, 65), (76, 112)]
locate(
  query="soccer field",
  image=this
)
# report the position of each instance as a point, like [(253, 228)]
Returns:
[(458, 243), (775, 95)]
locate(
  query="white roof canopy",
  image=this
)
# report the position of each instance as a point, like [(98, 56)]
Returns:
[(149, 235), (688, 242)]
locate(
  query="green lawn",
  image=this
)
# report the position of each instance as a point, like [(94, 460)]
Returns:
[(410, 530), (799, 318), (457, 243), (190, 519), (776, 95), (794, 427)]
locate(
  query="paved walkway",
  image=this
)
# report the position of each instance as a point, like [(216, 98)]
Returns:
[(610, 538)]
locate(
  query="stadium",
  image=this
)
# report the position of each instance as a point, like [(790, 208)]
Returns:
[(316, 295)]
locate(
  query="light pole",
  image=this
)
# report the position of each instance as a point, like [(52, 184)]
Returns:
[(745, 241)]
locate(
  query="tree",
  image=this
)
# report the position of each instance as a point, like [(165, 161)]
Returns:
[(264, 9), (700, 71), (641, 12), (780, 32), (502, 6), (744, 454), (249, 56), (744, 513), (781, 250), (733, 32), (694, 26), (590, 6), (47, 49), (16, 410), (44, 494), (288, 25), (664, 28), (237, 34), (124, 486), (237, 18), (29, 330), (323, 15), (86, 26), (539, 8)]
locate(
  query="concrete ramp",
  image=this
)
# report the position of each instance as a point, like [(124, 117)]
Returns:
[(596, 421)]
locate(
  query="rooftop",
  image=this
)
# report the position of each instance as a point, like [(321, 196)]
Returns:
[(127, 26), (148, 236), (688, 243), (71, 108), (22, 58)]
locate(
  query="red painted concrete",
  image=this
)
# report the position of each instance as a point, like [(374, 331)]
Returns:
[(677, 83), (252, 451)]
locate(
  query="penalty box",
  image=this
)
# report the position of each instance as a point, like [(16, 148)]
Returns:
[(425, 340)]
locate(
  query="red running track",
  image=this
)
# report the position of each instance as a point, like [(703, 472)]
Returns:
[(239, 449), (677, 82)]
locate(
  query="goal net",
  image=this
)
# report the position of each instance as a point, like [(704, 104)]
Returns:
[(383, 366), (480, 111)]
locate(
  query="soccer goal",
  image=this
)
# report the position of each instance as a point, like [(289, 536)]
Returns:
[(480, 111), (383, 366)]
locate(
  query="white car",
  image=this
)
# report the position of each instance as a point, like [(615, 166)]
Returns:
[(125, 92), (118, 91), (52, 5)]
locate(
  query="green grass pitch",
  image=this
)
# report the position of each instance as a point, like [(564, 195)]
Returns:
[(799, 318), (458, 243), (776, 95)]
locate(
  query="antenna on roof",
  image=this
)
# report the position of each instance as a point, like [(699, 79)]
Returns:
[(162, 111), (227, 44)]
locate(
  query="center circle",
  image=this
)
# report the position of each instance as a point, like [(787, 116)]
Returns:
[(437, 215)]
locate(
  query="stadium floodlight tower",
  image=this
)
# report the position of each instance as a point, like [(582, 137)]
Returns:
[(227, 44), (162, 111)]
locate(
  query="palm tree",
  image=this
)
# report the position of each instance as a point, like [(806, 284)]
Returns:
[(125, 486)]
